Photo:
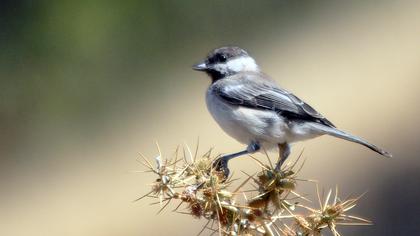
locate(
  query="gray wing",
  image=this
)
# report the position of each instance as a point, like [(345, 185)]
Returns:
[(253, 91)]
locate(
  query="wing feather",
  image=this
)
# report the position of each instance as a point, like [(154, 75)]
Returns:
[(250, 90)]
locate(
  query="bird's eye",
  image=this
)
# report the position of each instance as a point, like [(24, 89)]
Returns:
[(222, 58)]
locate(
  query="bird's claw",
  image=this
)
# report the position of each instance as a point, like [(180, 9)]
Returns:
[(221, 165), (278, 166)]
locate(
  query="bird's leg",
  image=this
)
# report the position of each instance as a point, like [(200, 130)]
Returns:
[(284, 152), (221, 163)]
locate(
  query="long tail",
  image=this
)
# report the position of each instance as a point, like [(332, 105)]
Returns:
[(343, 135)]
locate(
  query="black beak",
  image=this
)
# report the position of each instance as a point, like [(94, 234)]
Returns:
[(200, 66)]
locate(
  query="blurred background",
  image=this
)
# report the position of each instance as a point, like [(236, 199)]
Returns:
[(87, 85)]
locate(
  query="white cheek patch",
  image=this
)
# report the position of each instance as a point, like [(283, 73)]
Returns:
[(222, 68), (242, 64)]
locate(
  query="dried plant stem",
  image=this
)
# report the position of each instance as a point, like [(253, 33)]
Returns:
[(260, 205)]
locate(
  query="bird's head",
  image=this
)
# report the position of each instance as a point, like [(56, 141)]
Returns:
[(226, 61)]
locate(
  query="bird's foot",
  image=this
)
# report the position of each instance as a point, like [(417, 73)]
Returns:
[(284, 152), (221, 165), (278, 166)]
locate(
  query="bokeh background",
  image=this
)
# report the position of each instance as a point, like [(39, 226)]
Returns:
[(87, 85)]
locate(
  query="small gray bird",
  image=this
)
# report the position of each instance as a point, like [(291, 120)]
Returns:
[(253, 109)]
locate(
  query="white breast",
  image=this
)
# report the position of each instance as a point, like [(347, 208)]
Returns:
[(246, 124)]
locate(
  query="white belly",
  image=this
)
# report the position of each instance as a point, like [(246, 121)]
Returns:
[(247, 124)]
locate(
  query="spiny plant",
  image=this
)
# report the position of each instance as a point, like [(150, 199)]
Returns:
[(265, 203)]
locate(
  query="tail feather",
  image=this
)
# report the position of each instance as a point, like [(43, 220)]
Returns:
[(343, 135)]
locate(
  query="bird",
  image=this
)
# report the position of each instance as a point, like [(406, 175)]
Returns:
[(250, 107)]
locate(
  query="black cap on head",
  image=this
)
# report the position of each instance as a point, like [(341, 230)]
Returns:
[(215, 62), (225, 53), (220, 55)]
